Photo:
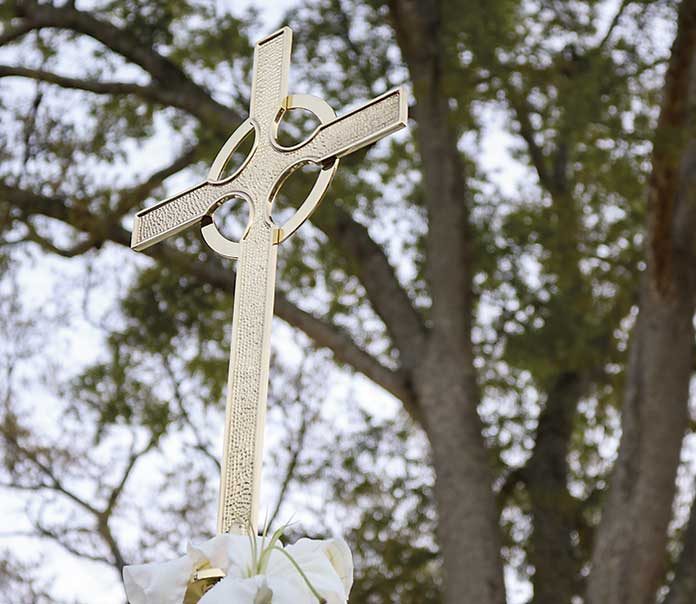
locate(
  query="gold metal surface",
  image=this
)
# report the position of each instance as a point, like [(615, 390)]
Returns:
[(203, 579), (257, 182)]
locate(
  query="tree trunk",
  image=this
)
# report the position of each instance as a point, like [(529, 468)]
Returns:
[(629, 559), (628, 563), (445, 380), (467, 525), (554, 511)]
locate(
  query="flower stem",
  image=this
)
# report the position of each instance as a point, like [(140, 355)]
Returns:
[(301, 572)]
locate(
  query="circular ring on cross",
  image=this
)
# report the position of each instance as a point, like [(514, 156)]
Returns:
[(325, 114)]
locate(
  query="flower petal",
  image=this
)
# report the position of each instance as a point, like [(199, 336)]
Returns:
[(287, 590), (232, 590), (158, 583), (231, 553), (342, 560), (327, 565)]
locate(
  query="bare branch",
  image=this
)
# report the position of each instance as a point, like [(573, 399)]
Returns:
[(295, 453), (54, 483), (107, 535), (387, 296), (297, 443), (181, 91), (134, 196), (60, 539), (345, 351), (14, 33), (522, 112), (614, 22), (118, 489), (149, 92), (95, 86), (200, 444), (323, 333), (69, 252)]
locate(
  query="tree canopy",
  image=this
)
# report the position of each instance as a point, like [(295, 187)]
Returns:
[(484, 344)]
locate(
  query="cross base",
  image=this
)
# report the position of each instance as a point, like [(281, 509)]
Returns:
[(203, 580)]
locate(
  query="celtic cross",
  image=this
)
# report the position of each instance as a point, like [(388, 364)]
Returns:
[(256, 182)]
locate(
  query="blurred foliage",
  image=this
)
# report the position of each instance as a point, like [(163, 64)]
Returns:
[(557, 253)]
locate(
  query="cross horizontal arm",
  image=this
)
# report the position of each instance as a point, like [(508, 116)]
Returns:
[(175, 214), (361, 127)]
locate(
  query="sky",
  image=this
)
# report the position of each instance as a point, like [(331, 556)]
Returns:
[(52, 286), (40, 281)]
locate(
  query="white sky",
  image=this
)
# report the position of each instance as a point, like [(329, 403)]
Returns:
[(89, 582)]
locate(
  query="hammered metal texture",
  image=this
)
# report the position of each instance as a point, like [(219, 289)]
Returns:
[(270, 85), (248, 381), (257, 181), (253, 306), (356, 129), (270, 164), (166, 219)]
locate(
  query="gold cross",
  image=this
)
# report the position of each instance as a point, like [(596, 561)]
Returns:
[(257, 182)]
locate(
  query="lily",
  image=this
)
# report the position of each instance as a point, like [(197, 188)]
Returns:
[(257, 570)]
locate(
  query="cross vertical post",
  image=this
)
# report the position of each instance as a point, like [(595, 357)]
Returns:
[(253, 312)]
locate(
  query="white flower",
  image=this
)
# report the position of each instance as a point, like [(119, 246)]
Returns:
[(257, 571)]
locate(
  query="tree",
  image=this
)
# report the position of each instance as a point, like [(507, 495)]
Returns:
[(500, 320)]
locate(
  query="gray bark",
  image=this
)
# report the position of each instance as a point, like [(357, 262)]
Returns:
[(445, 380), (436, 379), (629, 559), (554, 511)]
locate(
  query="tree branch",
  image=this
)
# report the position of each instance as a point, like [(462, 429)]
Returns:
[(148, 92), (127, 200), (95, 86), (134, 196), (181, 91), (54, 483), (419, 31), (59, 538), (13, 33), (66, 252), (612, 26), (370, 264), (200, 444), (522, 112), (296, 446), (324, 334), (669, 147), (118, 489), (554, 511), (345, 351), (102, 517)]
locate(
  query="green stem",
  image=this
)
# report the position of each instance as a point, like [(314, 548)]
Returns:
[(301, 572)]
